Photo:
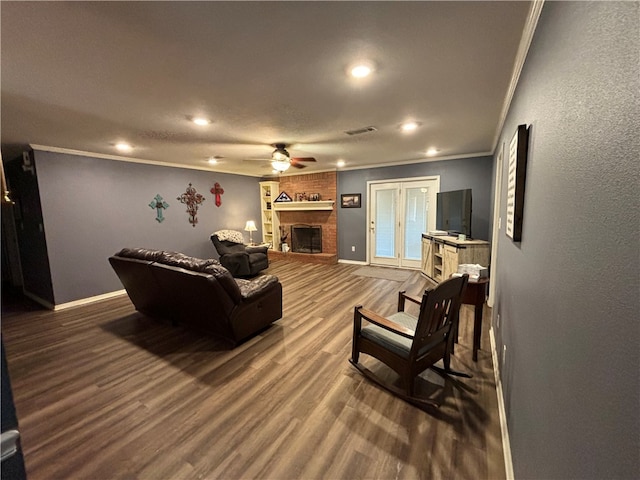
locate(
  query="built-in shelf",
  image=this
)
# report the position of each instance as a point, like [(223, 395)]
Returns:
[(303, 206), (270, 221)]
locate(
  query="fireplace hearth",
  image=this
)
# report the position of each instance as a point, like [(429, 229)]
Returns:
[(306, 238)]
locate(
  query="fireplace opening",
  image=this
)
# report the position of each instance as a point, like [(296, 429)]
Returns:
[(306, 238)]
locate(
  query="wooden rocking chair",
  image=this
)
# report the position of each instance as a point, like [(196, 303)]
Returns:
[(410, 345)]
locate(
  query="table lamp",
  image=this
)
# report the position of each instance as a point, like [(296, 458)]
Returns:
[(250, 227)]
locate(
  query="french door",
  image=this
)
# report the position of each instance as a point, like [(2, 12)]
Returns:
[(399, 212)]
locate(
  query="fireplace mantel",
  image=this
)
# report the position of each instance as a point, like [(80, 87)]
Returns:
[(303, 206)]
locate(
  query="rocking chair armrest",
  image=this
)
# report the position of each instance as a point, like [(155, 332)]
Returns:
[(411, 298), (402, 296), (385, 323)]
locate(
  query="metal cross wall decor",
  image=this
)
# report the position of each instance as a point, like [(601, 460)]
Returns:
[(217, 191), (192, 200), (158, 204)]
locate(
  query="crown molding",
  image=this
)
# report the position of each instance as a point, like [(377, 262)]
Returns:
[(523, 49), (417, 160), (68, 151)]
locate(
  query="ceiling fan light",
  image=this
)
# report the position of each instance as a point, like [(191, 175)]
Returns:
[(361, 71), (279, 156), (432, 151), (201, 121), (281, 165), (409, 126), (123, 147)]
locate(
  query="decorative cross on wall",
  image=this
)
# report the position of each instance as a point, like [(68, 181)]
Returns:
[(217, 191), (158, 204), (192, 200)]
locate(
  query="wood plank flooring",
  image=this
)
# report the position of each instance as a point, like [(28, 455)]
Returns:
[(103, 392)]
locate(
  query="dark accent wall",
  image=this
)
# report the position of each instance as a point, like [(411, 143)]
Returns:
[(34, 260), (474, 173), (92, 207), (568, 293)]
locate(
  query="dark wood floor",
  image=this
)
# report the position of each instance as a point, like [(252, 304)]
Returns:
[(103, 393)]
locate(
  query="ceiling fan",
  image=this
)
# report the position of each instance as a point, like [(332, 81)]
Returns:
[(281, 160)]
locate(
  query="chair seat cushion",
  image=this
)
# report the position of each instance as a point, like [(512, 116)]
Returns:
[(392, 341)]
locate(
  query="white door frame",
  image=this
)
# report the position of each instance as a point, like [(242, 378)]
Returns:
[(497, 221), (435, 178), (372, 204)]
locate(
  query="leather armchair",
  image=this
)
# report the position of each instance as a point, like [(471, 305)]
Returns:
[(240, 259)]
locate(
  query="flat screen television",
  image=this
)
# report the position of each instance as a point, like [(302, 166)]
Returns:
[(453, 212)]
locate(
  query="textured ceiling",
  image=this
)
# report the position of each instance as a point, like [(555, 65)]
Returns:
[(85, 75)]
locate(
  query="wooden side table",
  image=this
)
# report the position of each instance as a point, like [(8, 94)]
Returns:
[(476, 294)]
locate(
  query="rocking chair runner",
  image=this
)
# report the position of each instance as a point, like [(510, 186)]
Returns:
[(407, 344)]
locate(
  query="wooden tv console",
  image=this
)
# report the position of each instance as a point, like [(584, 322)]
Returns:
[(441, 255)]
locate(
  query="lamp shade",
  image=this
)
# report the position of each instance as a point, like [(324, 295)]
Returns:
[(250, 226)]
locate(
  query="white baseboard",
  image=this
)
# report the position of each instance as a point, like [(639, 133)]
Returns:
[(352, 262), (75, 303), (506, 444), (86, 301)]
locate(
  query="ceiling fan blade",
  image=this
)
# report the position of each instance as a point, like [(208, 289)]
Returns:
[(303, 159), (297, 165)]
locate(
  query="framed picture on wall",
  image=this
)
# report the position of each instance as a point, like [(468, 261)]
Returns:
[(518, 149), (350, 200)]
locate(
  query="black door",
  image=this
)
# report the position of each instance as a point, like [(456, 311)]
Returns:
[(12, 461)]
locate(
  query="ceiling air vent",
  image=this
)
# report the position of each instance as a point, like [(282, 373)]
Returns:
[(361, 130)]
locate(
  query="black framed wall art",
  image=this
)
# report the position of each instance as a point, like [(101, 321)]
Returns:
[(518, 149), (351, 200)]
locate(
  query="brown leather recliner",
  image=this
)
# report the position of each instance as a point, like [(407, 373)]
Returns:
[(198, 293), (240, 259)]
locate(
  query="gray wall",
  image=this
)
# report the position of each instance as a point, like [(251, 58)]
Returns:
[(568, 293), (474, 173), (94, 207)]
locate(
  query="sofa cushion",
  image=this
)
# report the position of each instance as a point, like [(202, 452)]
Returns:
[(181, 260), (255, 286), (140, 254), (225, 279)]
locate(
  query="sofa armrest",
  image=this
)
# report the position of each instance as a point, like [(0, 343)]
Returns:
[(257, 249), (252, 288), (237, 256)]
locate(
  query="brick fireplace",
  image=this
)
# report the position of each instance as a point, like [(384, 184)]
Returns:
[(324, 184), (306, 239)]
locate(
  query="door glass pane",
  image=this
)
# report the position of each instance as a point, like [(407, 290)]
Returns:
[(385, 223), (415, 221)]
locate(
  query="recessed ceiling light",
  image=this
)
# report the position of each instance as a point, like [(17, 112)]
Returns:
[(201, 121), (123, 147), (360, 71), (409, 126), (213, 160), (432, 151), (340, 163)]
